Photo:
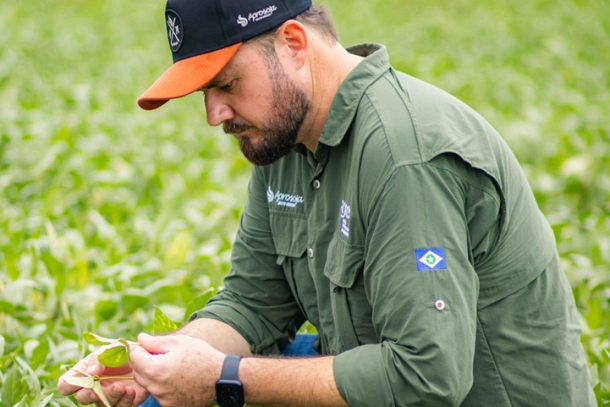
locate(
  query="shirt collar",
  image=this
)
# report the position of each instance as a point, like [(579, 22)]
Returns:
[(352, 89)]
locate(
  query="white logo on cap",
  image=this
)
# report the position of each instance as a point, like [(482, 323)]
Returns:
[(174, 31), (256, 16), (242, 21)]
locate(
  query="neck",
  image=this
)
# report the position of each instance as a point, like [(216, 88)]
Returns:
[(329, 66)]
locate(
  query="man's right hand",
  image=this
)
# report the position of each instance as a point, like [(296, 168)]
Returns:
[(120, 393)]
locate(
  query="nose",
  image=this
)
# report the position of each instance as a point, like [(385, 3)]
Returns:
[(216, 108)]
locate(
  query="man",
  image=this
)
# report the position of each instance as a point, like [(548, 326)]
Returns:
[(381, 209)]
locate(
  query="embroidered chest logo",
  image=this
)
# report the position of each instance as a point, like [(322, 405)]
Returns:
[(282, 199), (346, 212), (432, 258)]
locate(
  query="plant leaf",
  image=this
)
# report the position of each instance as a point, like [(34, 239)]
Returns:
[(162, 324), (97, 388), (94, 339), (114, 356), (199, 302), (86, 381)]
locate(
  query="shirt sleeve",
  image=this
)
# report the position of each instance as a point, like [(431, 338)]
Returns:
[(256, 300), (422, 287)]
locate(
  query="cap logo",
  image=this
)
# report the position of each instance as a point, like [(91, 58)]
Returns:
[(242, 21), (174, 30), (256, 16)]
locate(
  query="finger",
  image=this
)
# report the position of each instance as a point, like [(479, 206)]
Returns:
[(95, 369), (127, 400), (116, 392), (87, 396), (156, 345)]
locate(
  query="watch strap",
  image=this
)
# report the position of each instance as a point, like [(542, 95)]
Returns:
[(230, 367)]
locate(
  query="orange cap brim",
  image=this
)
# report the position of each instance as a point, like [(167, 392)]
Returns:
[(186, 76)]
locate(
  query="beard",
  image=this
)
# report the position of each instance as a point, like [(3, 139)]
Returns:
[(279, 133)]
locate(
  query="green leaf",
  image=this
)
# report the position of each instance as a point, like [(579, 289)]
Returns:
[(162, 324), (97, 388), (127, 346), (7, 308), (130, 303), (595, 316), (98, 340), (106, 309), (114, 356), (199, 302), (39, 355), (12, 269), (178, 249), (81, 381), (13, 387), (56, 270)]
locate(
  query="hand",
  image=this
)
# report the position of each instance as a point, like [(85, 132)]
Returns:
[(120, 393), (178, 370)]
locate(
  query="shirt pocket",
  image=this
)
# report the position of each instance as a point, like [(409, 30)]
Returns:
[(352, 313), (290, 241)]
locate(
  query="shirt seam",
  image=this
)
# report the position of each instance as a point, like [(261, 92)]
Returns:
[(493, 358)]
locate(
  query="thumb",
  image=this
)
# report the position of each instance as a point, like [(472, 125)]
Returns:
[(95, 369), (155, 345)]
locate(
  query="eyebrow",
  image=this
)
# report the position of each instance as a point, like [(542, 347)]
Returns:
[(213, 83)]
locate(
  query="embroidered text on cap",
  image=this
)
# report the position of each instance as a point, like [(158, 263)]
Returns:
[(174, 30)]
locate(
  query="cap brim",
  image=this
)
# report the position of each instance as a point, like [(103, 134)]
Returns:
[(186, 76)]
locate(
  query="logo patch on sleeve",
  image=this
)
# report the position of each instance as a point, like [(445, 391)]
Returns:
[(432, 258)]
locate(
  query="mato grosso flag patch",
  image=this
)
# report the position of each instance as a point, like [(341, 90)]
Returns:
[(431, 258)]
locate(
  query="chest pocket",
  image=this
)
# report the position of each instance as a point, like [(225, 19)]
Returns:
[(290, 240), (351, 310)]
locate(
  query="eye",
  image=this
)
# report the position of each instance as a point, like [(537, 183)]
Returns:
[(228, 86)]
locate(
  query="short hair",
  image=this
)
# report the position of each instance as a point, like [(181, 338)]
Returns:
[(315, 17)]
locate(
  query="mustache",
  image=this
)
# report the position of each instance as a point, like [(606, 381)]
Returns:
[(234, 127)]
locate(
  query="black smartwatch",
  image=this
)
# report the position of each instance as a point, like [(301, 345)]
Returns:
[(229, 390)]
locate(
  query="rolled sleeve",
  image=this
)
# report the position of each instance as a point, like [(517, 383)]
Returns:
[(425, 318)]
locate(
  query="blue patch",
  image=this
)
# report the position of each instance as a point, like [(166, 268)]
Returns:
[(432, 258)]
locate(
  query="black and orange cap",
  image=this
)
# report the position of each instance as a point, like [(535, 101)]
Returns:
[(205, 34)]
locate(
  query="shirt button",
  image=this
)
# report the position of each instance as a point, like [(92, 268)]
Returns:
[(310, 252), (316, 184), (439, 305)]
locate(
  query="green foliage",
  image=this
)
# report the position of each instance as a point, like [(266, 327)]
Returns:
[(107, 210), (162, 324)]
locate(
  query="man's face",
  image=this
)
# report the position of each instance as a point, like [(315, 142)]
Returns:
[(281, 109)]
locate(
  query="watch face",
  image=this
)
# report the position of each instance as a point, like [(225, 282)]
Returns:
[(229, 394)]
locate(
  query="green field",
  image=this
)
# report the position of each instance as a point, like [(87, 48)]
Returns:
[(107, 211)]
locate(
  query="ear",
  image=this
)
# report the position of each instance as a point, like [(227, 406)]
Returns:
[(292, 42)]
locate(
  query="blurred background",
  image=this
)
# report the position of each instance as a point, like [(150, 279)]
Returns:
[(107, 211)]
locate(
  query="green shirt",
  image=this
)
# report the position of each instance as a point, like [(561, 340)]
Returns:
[(410, 221)]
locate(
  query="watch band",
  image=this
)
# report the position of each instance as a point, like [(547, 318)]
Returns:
[(230, 367), (229, 390)]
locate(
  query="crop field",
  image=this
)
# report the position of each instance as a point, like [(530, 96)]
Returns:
[(108, 211)]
